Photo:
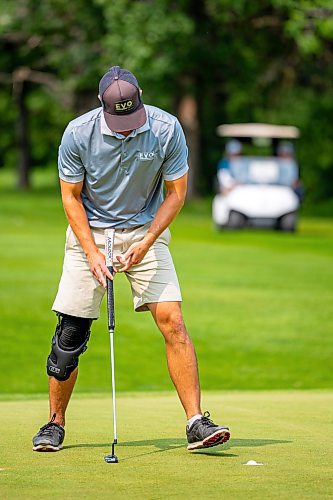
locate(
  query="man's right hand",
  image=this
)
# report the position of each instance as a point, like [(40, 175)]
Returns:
[(98, 267)]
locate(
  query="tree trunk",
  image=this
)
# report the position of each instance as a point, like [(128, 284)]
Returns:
[(188, 116), (24, 160)]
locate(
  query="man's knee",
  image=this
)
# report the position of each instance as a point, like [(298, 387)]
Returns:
[(68, 343), (171, 324)]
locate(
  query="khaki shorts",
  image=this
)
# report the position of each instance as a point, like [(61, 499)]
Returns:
[(153, 280)]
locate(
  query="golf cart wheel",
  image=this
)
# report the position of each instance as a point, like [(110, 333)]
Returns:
[(236, 220), (288, 222), (219, 227)]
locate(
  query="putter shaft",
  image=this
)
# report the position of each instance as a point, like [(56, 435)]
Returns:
[(113, 383), (109, 236)]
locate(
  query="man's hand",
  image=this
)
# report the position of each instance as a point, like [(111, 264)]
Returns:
[(98, 267), (134, 254)]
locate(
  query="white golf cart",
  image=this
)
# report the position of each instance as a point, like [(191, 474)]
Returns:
[(256, 190)]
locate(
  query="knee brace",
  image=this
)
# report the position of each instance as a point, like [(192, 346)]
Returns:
[(69, 341)]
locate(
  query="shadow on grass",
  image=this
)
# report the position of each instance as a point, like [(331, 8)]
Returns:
[(240, 443), (174, 443)]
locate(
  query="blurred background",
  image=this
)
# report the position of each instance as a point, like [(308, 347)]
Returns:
[(258, 304), (207, 61)]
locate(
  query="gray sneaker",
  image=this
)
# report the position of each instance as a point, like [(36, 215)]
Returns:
[(205, 434), (49, 437)]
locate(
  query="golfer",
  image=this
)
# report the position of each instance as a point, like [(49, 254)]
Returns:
[(113, 164)]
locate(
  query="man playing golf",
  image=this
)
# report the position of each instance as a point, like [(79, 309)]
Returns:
[(113, 164)]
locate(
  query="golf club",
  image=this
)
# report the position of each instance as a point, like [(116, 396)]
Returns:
[(109, 237)]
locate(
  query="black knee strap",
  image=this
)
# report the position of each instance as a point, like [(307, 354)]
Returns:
[(61, 362)]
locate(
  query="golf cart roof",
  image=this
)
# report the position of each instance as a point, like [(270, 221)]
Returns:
[(250, 130)]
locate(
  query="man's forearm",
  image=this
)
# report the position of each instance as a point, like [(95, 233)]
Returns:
[(77, 218), (164, 216)]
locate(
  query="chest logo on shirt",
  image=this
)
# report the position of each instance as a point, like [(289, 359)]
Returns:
[(146, 156)]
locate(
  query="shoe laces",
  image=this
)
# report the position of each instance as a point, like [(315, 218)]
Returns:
[(47, 428), (206, 420)]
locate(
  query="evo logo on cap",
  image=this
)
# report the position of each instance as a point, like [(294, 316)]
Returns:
[(123, 106)]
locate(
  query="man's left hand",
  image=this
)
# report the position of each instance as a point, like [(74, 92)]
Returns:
[(134, 255)]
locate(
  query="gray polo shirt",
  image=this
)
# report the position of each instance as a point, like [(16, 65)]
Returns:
[(123, 176)]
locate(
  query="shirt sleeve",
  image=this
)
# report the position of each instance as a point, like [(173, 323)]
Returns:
[(70, 165), (175, 163)]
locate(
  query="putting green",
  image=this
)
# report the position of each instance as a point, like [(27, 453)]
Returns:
[(289, 432)]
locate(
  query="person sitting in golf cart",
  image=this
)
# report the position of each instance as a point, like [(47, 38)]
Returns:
[(226, 180), (289, 168)]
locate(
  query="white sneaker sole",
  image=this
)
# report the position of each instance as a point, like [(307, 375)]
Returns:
[(218, 437), (46, 447)]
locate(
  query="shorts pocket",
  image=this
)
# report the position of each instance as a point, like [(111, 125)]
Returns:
[(165, 237), (71, 239)]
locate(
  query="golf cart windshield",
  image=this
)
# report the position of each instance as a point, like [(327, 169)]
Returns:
[(259, 170)]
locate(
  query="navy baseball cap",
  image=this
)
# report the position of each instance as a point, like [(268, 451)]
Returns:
[(121, 100)]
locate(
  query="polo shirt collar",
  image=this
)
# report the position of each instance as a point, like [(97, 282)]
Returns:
[(106, 131)]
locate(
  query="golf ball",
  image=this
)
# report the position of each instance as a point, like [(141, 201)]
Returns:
[(253, 462)]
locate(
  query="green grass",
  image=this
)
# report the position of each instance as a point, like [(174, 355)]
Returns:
[(258, 304), (289, 432)]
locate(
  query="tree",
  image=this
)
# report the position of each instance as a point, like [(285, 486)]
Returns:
[(207, 61), (50, 58)]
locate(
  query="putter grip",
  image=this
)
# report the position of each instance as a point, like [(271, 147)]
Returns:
[(109, 237), (110, 300)]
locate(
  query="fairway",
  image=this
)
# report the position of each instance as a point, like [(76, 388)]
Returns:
[(258, 304), (289, 432)]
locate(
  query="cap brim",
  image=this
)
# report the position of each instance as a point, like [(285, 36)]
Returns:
[(124, 123)]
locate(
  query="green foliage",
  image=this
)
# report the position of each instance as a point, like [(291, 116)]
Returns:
[(152, 40), (242, 61)]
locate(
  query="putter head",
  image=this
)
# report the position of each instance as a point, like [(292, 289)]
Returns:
[(111, 459)]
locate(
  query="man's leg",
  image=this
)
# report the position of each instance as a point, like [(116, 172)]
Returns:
[(180, 353), (59, 395), (77, 302), (68, 343), (182, 363)]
